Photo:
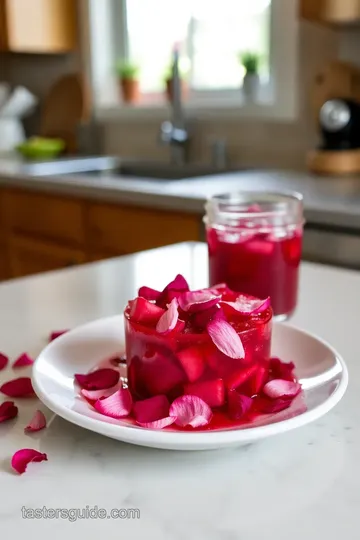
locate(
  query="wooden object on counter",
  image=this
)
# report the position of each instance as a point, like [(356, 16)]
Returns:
[(38, 26), (41, 232), (337, 80), (326, 162), (330, 11), (66, 105)]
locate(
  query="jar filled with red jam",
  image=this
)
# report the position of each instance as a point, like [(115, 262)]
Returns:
[(255, 244)]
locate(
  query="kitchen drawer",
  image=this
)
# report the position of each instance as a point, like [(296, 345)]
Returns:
[(333, 247), (121, 230), (28, 256), (45, 217)]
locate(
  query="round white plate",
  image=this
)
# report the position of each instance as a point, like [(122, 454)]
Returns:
[(319, 367)]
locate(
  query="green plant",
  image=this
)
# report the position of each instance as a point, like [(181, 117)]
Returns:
[(126, 70), (250, 61)]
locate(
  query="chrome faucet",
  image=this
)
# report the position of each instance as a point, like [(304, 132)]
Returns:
[(175, 133)]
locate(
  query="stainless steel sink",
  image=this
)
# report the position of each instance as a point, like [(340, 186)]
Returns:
[(116, 167)]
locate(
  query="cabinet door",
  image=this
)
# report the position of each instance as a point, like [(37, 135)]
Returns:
[(3, 27), (330, 11), (121, 229), (41, 26), (44, 217), (28, 256)]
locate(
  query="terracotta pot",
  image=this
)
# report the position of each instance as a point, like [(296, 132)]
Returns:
[(130, 89), (169, 89)]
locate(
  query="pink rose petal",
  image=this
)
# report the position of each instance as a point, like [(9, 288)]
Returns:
[(8, 410), (202, 318), (225, 338), (94, 395), (172, 290), (57, 333), (144, 312), (4, 360), (99, 379), (167, 322), (193, 301), (246, 305), (37, 423), (238, 405), (16, 388), (191, 411), (149, 294), (22, 458), (275, 406), (282, 370), (151, 410), (117, 405), (23, 361), (278, 388), (158, 424)]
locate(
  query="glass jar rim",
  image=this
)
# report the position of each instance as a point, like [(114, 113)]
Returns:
[(274, 207)]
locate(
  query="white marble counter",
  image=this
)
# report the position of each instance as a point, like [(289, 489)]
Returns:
[(304, 484)]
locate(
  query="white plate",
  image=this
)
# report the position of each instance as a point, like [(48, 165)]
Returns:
[(322, 372)]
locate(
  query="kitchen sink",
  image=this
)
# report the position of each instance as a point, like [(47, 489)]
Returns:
[(115, 167)]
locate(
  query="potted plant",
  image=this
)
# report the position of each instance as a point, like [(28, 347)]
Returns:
[(184, 66), (128, 74), (251, 63)]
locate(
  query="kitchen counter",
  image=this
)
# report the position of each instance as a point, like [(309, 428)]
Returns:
[(303, 484), (331, 201)]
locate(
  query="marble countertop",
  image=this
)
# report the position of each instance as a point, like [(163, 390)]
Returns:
[(303, 484), (333, 201)]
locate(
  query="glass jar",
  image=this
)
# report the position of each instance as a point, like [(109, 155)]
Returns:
[(255, 245)]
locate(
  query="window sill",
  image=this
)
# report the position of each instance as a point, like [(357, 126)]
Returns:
[(204, 110)]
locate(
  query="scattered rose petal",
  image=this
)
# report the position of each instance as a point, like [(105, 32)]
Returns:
[(21, 387), (22, 458), (282, 370), (238, 405), (246, 305), (274, 406), (278, 388), (118, 405), (193, 301), (167, 322), (8, 410), (225, 338), (4, 360), (94, 395), (158, 424), (23, 361), (37, 423), (57, 333), (151, 410), (191, 411), (149, 294), (99, 379)]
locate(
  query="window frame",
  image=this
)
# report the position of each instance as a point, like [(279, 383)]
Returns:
[(281, 103)]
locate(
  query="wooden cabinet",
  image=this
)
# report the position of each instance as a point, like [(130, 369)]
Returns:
[(330, 11), (44, 216), (41, 232), (29, 256), (121, 229), (38, 26)]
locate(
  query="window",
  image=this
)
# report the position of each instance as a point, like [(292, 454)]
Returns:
[(211, 34)]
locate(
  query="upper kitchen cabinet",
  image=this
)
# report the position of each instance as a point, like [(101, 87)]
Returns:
[(38, 26), (330, 11)]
